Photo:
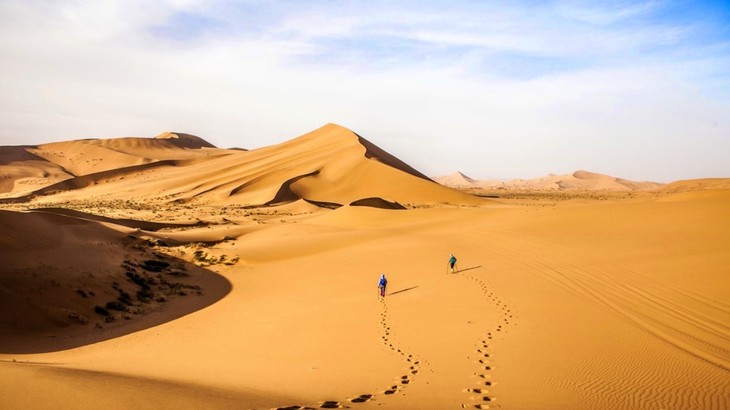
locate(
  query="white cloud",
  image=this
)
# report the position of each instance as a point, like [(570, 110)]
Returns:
[(494, 92), (606, 13)]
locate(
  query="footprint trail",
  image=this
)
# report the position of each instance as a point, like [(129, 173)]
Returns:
[(400, 383), (414, 365), (481, 395)]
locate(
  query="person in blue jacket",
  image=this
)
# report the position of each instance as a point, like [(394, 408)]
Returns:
[(452, 263), (382, 283)]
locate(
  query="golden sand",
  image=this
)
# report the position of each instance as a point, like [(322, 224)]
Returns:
[(269, 297)]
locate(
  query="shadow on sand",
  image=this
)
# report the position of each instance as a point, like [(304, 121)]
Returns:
[(48, 305), (402, 290), (466, 269)]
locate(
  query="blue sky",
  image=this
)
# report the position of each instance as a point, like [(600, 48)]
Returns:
[(639, 90)]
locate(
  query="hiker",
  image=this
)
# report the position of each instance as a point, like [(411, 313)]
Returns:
[(452, 263), (382, 283)]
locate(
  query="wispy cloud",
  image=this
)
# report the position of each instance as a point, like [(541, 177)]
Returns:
[(515, 89), (607, 13)]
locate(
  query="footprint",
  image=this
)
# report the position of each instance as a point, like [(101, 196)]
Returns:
[(362, 398), (504, 318), (330, 405)]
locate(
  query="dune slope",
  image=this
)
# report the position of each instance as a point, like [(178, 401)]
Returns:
[(68, 281)]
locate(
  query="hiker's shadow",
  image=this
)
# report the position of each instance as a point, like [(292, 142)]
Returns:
[(402, 290), (466, 269)]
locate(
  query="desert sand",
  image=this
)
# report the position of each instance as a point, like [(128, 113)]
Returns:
[(168, 273)]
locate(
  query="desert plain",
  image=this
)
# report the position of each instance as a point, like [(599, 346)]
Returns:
[(168, 273)]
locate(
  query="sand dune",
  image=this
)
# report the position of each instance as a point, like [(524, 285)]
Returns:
[(612, 303), (65, 278), (459, 180), (331, 166), (693, 185), (578, 180), (24, 172), (30, 169)]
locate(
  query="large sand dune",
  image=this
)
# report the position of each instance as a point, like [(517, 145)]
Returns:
[(612, 303), (331, 166)]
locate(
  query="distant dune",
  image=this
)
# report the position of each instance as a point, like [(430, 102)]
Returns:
[(579, 180), (29, 169), (692, 185), (456, 179)]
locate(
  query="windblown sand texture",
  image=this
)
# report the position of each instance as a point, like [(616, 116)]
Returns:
[(168, 273)]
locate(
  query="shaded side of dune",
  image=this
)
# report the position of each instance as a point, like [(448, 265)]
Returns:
[(182, 140), (285, 193), (376, 153), (129, 223), (66, 282), (17, 153), (376, 202)]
